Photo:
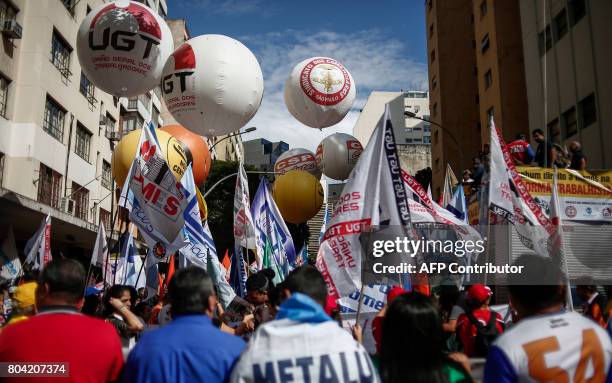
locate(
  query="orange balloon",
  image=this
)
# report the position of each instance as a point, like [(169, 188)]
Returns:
[(198, 149)]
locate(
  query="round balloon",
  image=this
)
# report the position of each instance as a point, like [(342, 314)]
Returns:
[(125, 151), (122, 47), (212, 85), (297, 159), (197, 151), (319, 92), (337, 154), (298, 195)]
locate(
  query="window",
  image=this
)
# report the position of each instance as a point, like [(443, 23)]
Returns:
[(417, 129), (111, 124), (433, 55), (408, 130), (69, 4), (545, 40), (560, 25), (105, 219), (145, 99), (409, 140), (577, 10), (80, 195), (82, 142), (7, 11), (106, 180), (434, 82), (54, 119), (60, 53), (483, 8), (431, 30), (587, 111), (418, 140), (484, 44), (155, 116), (570, 125), (87, 10), (87, 89), (4, 89), (427, 128), (490, 115), (488, 79), (426, 117), (131, 122), (434, 111), (427, 139), (49, 185), (553, 131)]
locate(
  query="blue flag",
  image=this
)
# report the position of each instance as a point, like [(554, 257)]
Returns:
[(238, 275), (457, 204)]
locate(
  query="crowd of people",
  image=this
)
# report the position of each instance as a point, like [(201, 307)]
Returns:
[(293, 331)]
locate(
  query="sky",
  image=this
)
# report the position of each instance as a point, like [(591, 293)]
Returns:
[(382, 44)]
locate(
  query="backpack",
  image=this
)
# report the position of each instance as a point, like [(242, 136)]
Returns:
[(485, 335)]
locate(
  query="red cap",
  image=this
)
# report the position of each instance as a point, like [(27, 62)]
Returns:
[(394, 292), (479, 293), (330, 305)]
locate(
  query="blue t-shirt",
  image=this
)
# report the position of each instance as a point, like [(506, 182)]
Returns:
[(188, 349)]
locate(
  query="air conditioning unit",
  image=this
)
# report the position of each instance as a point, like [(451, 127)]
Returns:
[(12, 29), (102, 119), (67, 205), (112, 134)]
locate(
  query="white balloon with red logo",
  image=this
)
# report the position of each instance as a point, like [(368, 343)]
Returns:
[(212, 85), (319, 92), (297, 159), (122, 47), (337, 154)]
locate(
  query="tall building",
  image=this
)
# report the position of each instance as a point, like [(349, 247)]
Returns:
[(56, 127), (262, 153), (566, 45), (476, 71)]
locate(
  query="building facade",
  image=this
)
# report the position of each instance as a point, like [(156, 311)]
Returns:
[(566, 45), (262, 153), (56, 128)]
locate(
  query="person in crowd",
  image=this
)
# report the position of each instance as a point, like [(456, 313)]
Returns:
[(303, 344), (549, 343), (546, 154), (478, 326), (466, 177), (595, 304), (190, 348), (520, 150), (59, 333), (378, 319), (258, 287), (413, 344), (578, 160), (23, 302), (478, 172), (5, 301), (117, 311)]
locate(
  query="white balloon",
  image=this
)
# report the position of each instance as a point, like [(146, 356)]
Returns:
[(212, 85), (337, 155), (319, 92), (297, 159), (122, 47)]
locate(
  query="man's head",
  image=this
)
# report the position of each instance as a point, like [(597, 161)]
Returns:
[(476, 162), (538, 135), (258, 286), (585, 287), (191, 291), (61, 282), (575, 146), (538, 288), (479, 295), (309, 281), (521, 137)]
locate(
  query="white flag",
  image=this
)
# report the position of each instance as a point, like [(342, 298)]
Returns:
[(10, 265), (244, 230), (38, 248), (557, 246), (373, 195), (100, 250)]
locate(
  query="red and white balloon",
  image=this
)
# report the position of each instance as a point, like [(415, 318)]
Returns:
[(212, 85), (122, 47), (337, 155), (319, 92), (297, 159)]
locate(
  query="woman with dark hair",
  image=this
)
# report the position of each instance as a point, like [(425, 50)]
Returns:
[(117, 311), (413, 344)]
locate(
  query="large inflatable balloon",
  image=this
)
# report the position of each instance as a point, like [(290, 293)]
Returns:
[(212, 85), (319, 92), (337, 155), (298, 195), (122, 47), (297, 159), (197, 151), (123, 155)]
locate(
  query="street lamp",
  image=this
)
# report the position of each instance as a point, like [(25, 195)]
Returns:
[(247, 130), (459, 147)]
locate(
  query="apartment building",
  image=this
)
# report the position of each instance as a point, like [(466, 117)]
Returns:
[(57, 129)]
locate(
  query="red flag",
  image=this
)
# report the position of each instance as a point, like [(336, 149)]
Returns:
[(170, 272), (226, 260)]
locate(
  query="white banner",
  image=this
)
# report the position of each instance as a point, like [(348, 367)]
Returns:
[(100, 250), (244, 230), (9, 258), (38, 248)]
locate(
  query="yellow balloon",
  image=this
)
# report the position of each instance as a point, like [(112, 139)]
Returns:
[(202, 205), (298, 195), (125, 151)]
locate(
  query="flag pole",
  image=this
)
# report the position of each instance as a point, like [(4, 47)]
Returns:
[(360, 304), (144, 261)]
